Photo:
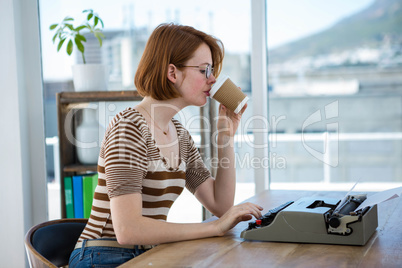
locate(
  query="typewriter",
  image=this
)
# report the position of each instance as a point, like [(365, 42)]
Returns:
[(316, 220)]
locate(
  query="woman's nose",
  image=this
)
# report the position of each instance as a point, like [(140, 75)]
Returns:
[(212, 79)]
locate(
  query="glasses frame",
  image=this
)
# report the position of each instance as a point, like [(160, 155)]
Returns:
[(208, 69)]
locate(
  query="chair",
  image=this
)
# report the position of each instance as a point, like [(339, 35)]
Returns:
[(50, 244)]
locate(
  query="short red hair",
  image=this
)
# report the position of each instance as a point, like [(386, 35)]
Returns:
[(172, 44)]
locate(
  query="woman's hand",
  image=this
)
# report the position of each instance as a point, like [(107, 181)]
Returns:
[(228, 121), (236, 214)]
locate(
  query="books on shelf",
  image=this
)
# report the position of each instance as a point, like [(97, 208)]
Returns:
[(89, 183), (79, 191), (77, 197), (68, 194)]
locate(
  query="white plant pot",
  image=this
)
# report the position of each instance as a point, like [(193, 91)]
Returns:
[(90, 77), (87, 138)]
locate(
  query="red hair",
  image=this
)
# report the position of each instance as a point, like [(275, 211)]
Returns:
[(172, 44)]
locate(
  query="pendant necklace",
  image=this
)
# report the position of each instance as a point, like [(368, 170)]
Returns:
[(155, 124)]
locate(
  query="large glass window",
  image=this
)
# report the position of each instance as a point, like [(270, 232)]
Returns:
[(335, 94), (128, 25)]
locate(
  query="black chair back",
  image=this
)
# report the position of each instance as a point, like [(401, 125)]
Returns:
[(54, 240)]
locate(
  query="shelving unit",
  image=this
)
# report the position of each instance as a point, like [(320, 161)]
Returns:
[(66, 102)]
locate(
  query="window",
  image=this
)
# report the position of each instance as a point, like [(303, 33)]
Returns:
[(335, 94)]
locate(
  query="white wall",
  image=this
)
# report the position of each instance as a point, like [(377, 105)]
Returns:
[(22, 148)]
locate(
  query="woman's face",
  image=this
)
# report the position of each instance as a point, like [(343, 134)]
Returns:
[(194, 86)]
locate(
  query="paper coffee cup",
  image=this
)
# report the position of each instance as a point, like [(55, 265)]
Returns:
[(228, 94)]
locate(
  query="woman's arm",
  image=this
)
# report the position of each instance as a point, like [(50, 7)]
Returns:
[(131, 228), (218, 195)]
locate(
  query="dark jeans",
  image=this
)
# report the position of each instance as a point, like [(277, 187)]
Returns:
[(102, 256)]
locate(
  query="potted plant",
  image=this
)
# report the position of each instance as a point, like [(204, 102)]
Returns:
[(86, 77)]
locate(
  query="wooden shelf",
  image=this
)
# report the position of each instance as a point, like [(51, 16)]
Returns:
[(94, 96), (78, 168), (66, 101)]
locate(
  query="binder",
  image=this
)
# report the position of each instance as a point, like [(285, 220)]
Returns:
[(78, 196), (89, 183), (68, 197)]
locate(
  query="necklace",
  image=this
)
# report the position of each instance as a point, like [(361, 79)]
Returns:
[(155, 124)]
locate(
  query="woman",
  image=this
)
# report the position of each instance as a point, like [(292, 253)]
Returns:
[(147, 157)]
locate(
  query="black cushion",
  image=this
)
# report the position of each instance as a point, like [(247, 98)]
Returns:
[(56, 242)]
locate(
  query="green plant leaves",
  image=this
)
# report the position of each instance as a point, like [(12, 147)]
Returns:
[(60, 44), (81, 37), (70, 26), (70, 47), (79, 28), (65, 30), (79, 45), (54, 37), (101, 21), (99, 35)]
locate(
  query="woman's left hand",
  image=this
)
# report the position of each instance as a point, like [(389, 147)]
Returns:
[(228, 121)]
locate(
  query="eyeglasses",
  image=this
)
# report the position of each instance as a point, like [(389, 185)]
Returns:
[(207, 70)]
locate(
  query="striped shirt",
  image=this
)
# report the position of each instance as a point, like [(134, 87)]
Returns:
[(130, 162)]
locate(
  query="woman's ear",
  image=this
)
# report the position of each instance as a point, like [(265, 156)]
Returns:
[(172, 73)]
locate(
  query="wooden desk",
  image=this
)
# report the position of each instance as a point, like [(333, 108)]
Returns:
[(384, 249)]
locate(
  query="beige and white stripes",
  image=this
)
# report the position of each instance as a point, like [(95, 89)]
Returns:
[(130, 162)]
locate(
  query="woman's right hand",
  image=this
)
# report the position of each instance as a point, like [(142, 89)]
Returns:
[(236, 214)]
